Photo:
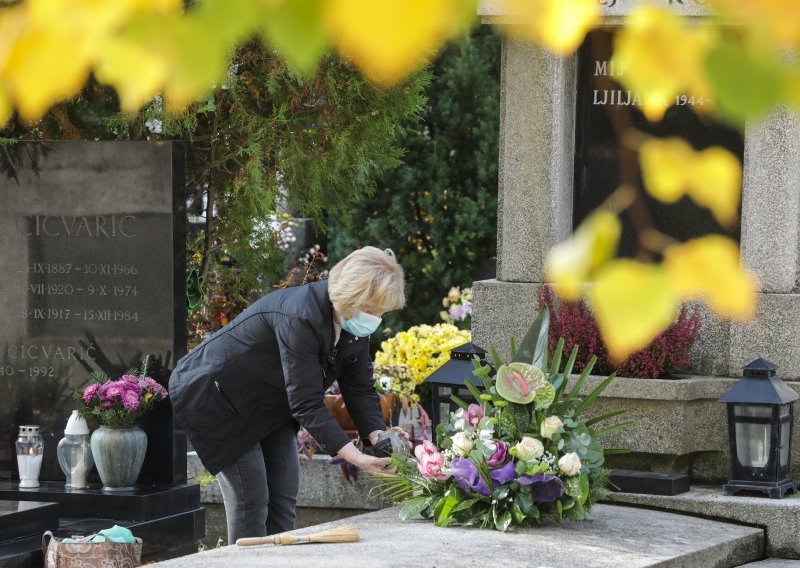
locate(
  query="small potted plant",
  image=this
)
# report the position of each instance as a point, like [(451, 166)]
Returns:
[(119, 444)]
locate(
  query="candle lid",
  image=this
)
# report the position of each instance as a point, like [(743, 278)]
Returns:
[(76, 425), (28, 431)]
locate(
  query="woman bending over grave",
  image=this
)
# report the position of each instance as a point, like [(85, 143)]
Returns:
[(241, 395)]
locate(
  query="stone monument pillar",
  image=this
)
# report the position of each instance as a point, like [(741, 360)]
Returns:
[(538, 127)]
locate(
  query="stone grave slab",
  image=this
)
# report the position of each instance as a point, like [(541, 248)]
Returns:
[(614, 536), (22, 518)]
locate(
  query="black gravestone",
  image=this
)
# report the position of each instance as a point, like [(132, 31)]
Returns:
[(603, 108), (93, 277)]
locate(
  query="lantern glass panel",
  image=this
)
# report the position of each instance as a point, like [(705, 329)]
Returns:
[(786, 429), (444, 403), (753, 438)]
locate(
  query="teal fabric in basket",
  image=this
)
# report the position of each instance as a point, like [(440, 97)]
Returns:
[(114, 534)]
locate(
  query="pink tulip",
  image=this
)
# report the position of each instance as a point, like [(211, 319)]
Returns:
[(431, 461)]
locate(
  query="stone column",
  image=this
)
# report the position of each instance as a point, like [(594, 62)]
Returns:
[(537, 134), (537, 108), (771, 202)]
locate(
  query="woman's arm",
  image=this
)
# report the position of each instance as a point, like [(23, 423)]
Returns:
[(358, 390)]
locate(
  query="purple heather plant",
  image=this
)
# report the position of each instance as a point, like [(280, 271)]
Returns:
[(119, 403)]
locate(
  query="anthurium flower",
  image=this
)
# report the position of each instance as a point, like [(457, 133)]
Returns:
[(519, 382)]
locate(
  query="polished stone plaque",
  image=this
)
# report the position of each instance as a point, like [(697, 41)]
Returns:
[(605, 112), (93, 278)]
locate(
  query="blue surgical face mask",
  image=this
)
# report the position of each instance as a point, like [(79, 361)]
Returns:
[(361, 325)]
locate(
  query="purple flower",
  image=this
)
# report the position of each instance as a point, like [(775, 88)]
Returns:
[(468, 479), (133, 387), (546, 488), (152, 386), (130, 400), (474, 414), (502, 475), (106, 404), (90, 392), (130, 379), (110, 390), (457, 312), (500, 455)]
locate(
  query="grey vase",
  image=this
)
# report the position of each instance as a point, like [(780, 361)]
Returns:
[(119, 455)]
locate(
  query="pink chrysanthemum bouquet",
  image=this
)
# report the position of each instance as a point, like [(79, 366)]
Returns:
[(119, 403)]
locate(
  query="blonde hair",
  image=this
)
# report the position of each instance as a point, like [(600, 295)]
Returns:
[(367, 278)]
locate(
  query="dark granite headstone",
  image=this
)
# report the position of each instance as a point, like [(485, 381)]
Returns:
[(93, 278), (604, 110)]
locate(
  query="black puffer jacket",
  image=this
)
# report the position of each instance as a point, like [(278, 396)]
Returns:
[(269, 366)]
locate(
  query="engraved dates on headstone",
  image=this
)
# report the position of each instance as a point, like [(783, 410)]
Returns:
[(92, 243)]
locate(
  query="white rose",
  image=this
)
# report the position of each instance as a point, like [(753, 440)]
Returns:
[(461, 443), (550, 426), (570, 464), (529, 449)]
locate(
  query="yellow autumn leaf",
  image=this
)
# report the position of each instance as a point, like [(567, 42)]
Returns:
[(775, 21), (708, 268), (663, 163), (558, 25), (570, 264), (671, 168), (5, 109), (134, 71), (389, 39), (633, 302), (716, 183), (47, 47), (45, 66), (661, 56)]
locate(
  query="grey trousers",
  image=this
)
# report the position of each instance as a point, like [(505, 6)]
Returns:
[(260, 489)]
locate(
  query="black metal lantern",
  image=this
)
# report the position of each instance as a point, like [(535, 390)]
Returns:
[(449, 379), (760, 431)]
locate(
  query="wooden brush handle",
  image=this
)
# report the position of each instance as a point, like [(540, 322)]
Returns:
[(283, 538)]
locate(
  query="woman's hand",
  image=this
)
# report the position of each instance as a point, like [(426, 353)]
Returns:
[(373, 465), (369, 464)]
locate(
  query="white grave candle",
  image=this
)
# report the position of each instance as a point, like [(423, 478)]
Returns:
[(78, 476), (29, 466)]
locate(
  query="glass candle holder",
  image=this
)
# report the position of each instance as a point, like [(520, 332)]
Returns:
[(30, 447), (75, 452)]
